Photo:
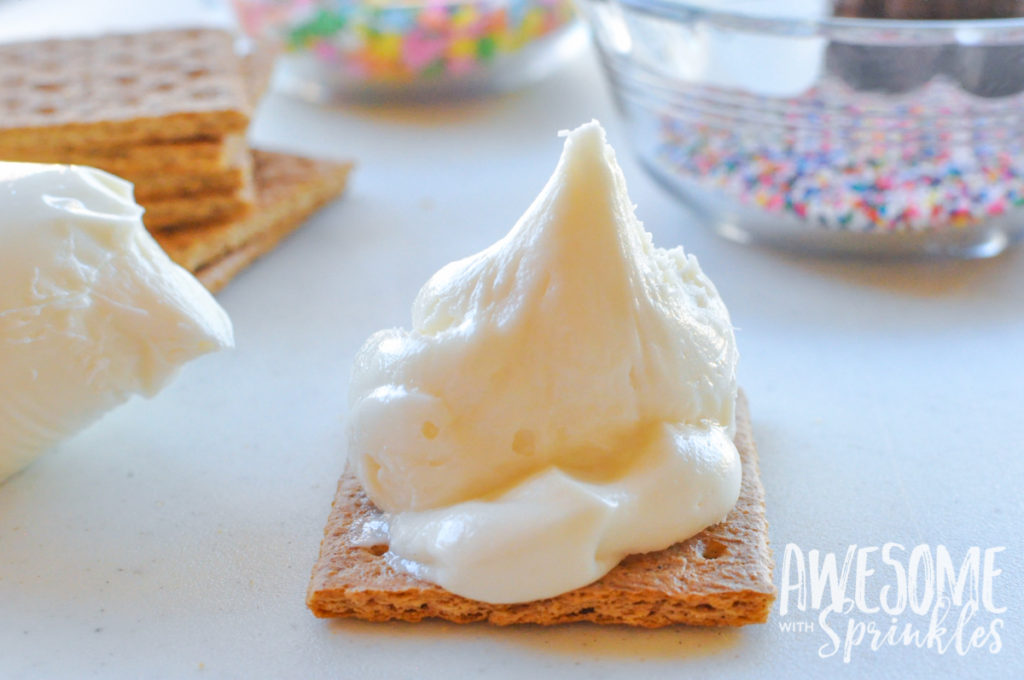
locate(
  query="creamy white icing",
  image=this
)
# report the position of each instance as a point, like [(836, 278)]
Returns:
[(91, 309), (565, 398)]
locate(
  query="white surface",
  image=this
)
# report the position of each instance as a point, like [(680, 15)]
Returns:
[(176, 537)]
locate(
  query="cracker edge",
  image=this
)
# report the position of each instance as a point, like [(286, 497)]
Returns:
[(295, 210), (606, 601), (169, 213)]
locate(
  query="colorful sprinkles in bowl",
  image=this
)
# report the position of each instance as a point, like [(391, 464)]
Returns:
[(401, 42), (855, 175)]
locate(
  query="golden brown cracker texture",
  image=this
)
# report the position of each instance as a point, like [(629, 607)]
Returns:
[(720, 577)]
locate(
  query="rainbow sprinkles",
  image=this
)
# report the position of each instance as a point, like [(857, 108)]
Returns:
[(400, 42), (856, 169)]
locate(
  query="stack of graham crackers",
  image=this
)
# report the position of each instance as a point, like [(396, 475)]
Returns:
[(168, 111)]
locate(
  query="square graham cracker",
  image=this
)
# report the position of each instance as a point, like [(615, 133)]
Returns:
[(289, 189), (236, 177), (175, 212), (203, 155), (120, 90), (720, 577)]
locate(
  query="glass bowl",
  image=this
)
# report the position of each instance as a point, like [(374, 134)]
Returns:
[(820, 133), (411, 49)]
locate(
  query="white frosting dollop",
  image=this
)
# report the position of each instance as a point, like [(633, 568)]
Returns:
[(91, 309), (565, 398)]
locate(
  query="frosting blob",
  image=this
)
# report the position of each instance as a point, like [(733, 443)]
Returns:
[(92, 311), (564, 398)]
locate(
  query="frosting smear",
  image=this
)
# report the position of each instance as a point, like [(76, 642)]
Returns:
[(92, 311)]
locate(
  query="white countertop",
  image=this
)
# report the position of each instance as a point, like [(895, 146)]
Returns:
[(176, 537)]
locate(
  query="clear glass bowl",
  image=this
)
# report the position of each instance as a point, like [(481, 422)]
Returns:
[(411, 49), (821, 133)]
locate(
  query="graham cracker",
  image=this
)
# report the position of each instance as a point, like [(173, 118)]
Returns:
[(157, 185), (182, 211), (185, 156), (289, 189), (219, 273), (121, 90), (720, 577)]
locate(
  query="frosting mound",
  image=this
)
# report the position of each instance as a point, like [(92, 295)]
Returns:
[(91, 309), (564, 398)]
